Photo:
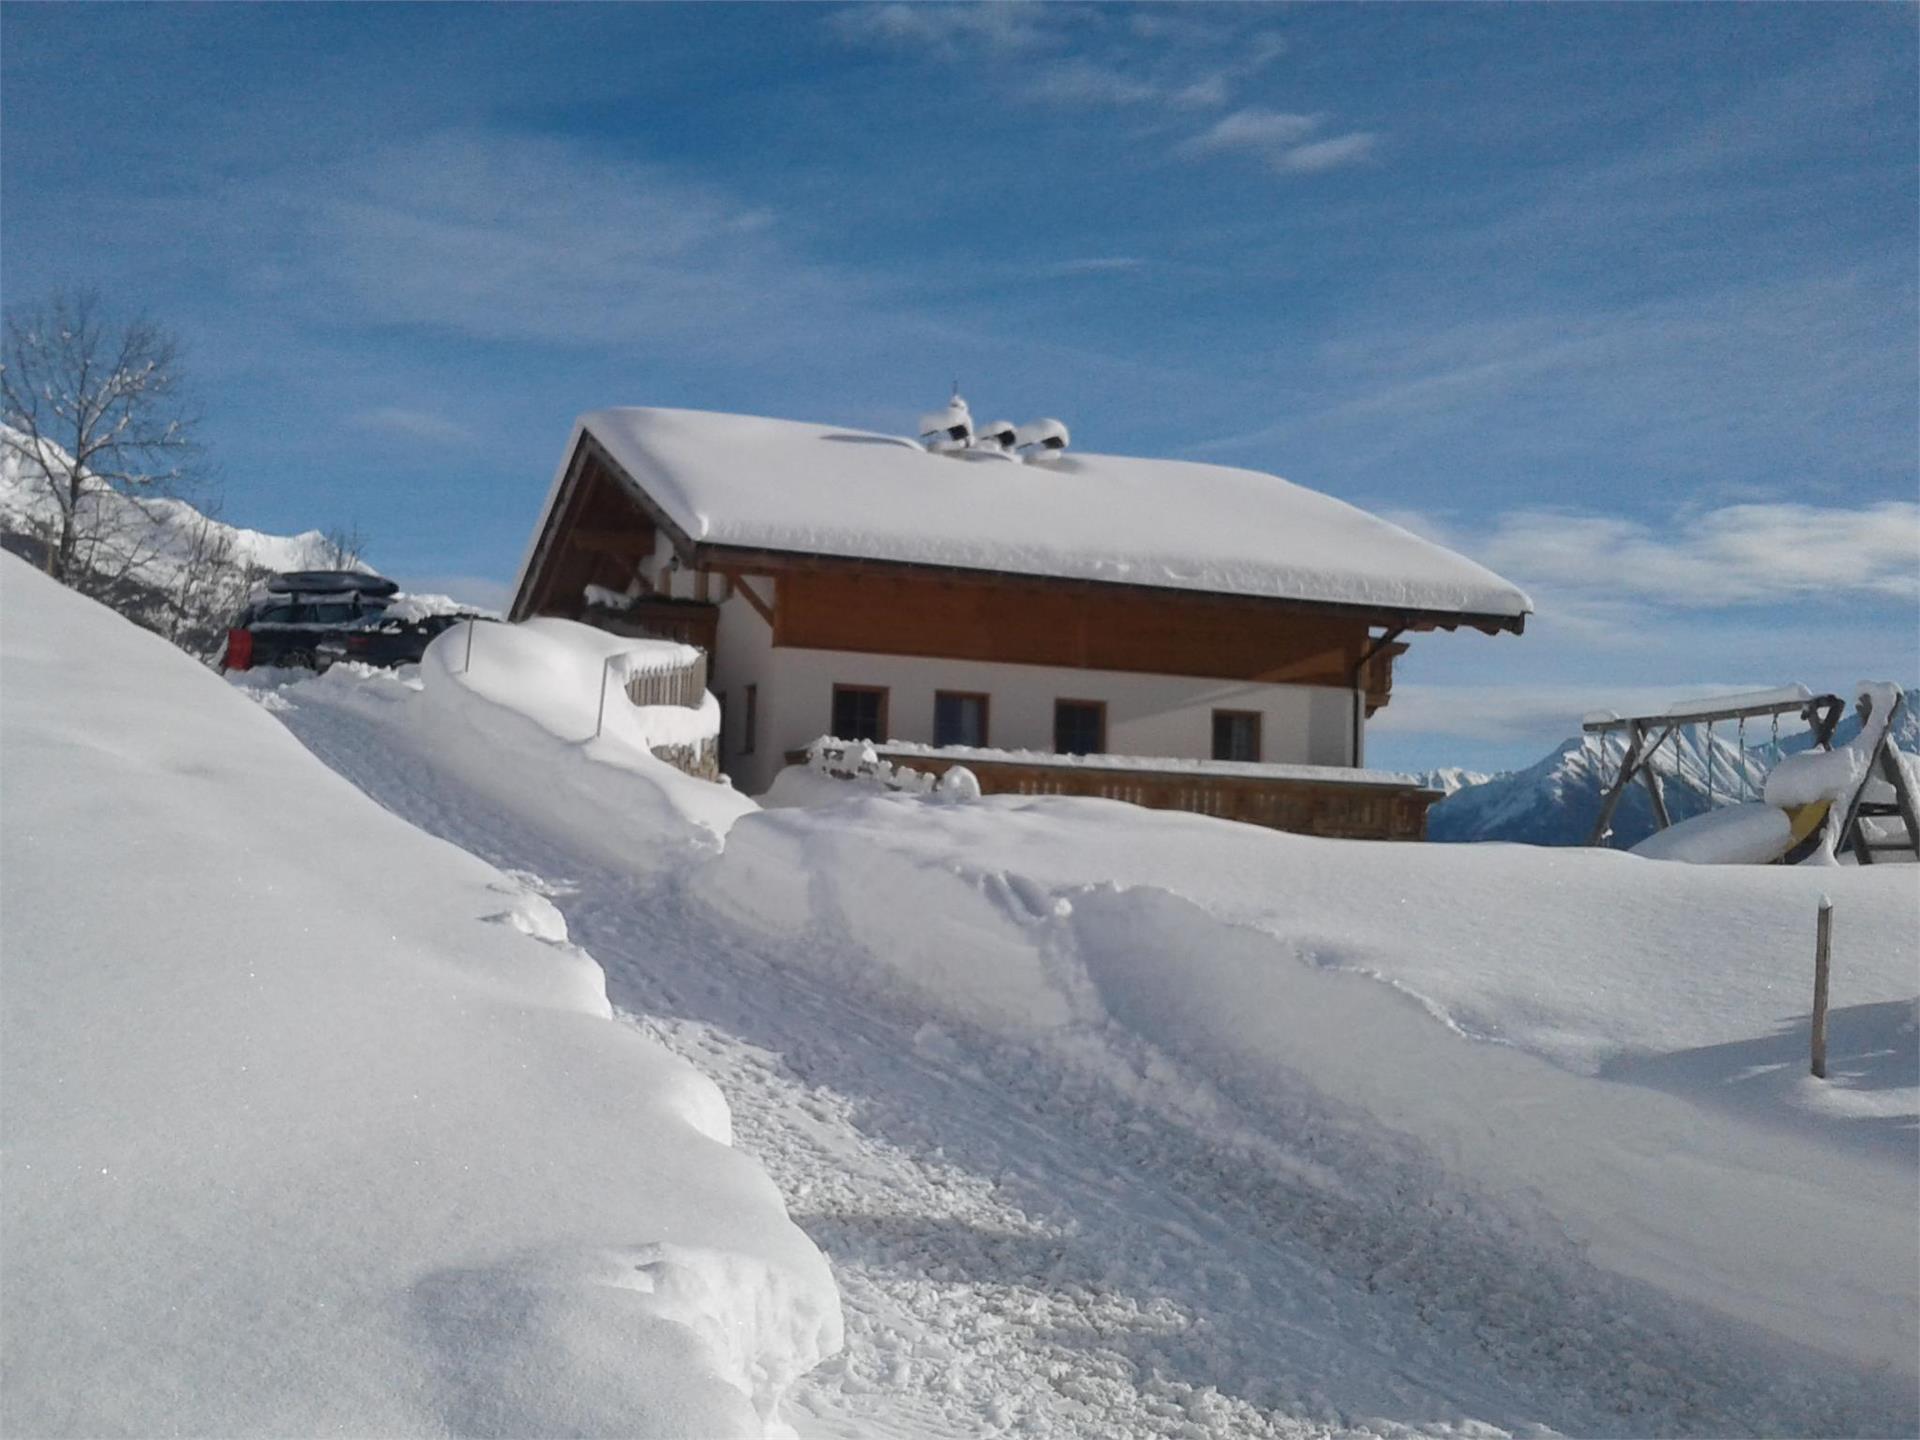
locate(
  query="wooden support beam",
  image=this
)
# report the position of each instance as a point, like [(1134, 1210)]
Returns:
[(1824, 715), (1903, 796), (1822, 969), (1650, 774), (1628, 762), (752, 596)]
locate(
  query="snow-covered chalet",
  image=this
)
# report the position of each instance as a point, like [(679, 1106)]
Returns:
[(1181, 635)]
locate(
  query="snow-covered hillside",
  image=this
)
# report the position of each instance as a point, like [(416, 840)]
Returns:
[(1554, 801), (162, 562), (314, 1124), (1119, 1123), (159, 536)]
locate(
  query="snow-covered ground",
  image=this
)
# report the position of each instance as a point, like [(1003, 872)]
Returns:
[(1115, 1123), (314, 1124)]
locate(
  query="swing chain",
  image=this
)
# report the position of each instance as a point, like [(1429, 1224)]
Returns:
[(1709, 765)]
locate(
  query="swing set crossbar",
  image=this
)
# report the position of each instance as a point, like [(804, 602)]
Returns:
[(1808, 707)]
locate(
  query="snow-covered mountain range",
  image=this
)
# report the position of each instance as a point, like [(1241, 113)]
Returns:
[(162, 561), (1554, 801), (163, 535)]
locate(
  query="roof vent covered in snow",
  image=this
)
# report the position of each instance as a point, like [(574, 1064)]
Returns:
[(948, 429), (999, 435), (1041, 439)]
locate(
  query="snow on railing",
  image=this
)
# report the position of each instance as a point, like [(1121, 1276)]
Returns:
[(858, 760), (664, 675)]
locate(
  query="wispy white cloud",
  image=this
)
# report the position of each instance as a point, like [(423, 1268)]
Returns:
[(1265, 131), (1601, 568), (1210, 29), (531, 238), (1528, 714), (1283, 140), (952, 31), (1073, 57), (1094, 265), (1733, 555), (1080, 83), (1810, 380), (411, 424), (1328, 154)]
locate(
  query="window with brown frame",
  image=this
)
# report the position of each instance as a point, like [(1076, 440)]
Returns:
[(749, 719), (1080, 727), (859, 712), (1236, 735), (959, 718)]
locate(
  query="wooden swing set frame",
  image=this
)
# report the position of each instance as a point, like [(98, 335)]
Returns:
[(1822, 715)]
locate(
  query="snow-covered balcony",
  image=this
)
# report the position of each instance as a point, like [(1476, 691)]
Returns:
[(1332, 801)]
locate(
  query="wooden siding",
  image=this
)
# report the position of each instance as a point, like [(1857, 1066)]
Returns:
[(1003, 619)]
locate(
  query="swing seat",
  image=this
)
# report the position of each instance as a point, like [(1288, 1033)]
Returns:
[(1807, 819)]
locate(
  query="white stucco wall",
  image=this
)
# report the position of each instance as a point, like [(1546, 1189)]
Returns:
[(1146, 714)]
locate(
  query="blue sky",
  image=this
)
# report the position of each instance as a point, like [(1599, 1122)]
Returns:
[(1618, 299)]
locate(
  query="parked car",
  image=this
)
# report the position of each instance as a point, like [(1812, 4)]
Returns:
[(311, 619)]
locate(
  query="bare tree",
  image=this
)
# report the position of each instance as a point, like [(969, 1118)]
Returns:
[(342, 546), (95, 404), (210, 582)]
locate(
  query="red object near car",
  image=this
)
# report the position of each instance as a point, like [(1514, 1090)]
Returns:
[(239, 650)]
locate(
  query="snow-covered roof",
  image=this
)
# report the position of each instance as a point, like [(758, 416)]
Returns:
[(749, 482)]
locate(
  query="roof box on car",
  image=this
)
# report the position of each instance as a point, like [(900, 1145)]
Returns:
[(332, 582)]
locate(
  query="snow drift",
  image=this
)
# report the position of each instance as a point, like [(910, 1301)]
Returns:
[(314, 1124), (1148, 1121), (1272, 968)]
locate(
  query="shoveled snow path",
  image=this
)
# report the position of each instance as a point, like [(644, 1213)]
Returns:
[(1022, 1249)]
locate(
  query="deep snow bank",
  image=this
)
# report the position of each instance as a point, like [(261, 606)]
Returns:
[(552, 671), (314, 1124), (1184, 958)]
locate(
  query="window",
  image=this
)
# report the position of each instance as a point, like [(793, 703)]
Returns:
[(749, 719), (1236, 735), (1079, 727), (959, 718), (859, 712)]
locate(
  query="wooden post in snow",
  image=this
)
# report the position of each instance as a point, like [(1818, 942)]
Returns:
[(467, 664), (1822, 956), (600, 719)]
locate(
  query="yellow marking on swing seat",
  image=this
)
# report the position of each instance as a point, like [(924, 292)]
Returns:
[(1807, 818)]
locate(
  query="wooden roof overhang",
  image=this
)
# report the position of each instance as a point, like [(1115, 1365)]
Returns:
[(751, 560), (746, 560)]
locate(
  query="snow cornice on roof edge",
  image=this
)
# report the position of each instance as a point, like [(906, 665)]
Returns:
[(736, 487)]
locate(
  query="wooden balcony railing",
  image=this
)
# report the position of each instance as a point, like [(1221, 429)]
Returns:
[(1304, 799), (684, 684)]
